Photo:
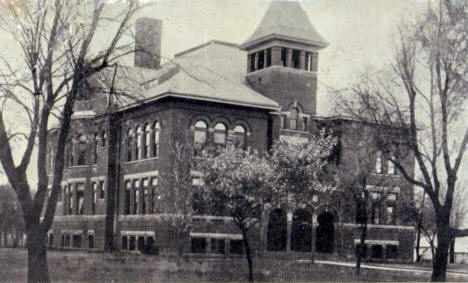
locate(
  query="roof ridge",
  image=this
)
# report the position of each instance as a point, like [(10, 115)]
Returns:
[(213, 41)]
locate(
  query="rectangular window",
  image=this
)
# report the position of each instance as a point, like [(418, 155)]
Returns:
[(375, 213), (147, 196), (217, 246), (94, 196), (390, 214), (80, 198), (59, 198), (70, 200), (392, 251), (283, 121), (198, 245), (149, 242), (391, 168), (141, 243), (378, 163), (128, 187), (136, 209), (236, 247), (76, 241), (268, 58), (252, 62), (124, 243), (90, 241), (261, 60), (154, 196), (67, 240), (304, 124), (102, 190), (132, 243)]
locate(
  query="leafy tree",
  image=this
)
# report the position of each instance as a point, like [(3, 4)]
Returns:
[(54, 40), (425, 92), (250, 182)]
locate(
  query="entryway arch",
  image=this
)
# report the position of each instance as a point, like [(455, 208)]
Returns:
[(277, 230), (325, 233), (301, 231)]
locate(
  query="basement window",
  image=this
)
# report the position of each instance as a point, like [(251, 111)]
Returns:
[(217, 246), (364, 250), (198, 245), (392, 251), (376, 251), (236, 247)]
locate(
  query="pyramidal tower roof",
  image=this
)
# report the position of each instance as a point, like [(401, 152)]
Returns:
[(286, 20)]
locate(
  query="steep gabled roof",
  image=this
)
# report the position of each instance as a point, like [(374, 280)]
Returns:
[(286, 20)]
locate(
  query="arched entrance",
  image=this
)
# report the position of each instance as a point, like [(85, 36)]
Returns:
[(301, 231), (277, 230), (325, 233)]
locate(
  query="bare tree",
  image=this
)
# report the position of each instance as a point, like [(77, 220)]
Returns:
[(55, 40), (357, 173), (424, 92), (459, 213), (11, 220), (181, 195)]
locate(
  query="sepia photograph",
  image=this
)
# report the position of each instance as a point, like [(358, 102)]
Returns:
[(233, 140)]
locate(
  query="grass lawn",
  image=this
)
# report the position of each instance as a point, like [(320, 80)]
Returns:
[(98, 267)]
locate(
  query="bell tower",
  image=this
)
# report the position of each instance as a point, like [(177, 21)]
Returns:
[(282, 57)]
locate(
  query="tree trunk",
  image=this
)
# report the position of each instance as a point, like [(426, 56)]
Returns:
[(248, 254), (361, 248), (439, 267), (452, 250), (37, 258)]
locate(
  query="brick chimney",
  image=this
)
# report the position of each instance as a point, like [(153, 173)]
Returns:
[(148, 32)]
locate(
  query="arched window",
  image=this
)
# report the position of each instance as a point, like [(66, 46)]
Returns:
[(129, 144), (82, 150), (239, 136), (95, 148), (220, 132), (293, 119), (156, 132), (103, 138), (147, 148), (200, 136), (139, 143)]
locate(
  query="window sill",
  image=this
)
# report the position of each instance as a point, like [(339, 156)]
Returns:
[(141, 160), (294, 131), (81, 166), (385, 175)]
